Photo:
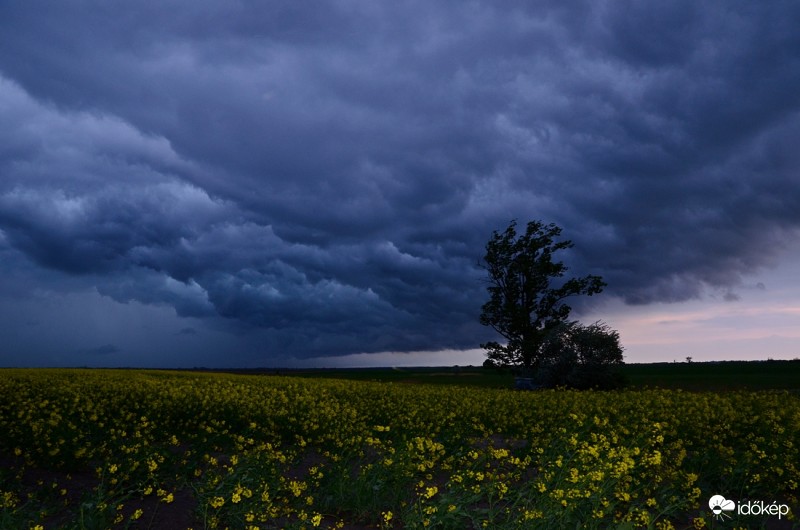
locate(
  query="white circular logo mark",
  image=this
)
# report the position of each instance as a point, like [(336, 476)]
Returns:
[(719, 505)]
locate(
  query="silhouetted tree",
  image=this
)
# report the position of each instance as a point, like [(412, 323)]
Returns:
[(583, 357), (526, 304)]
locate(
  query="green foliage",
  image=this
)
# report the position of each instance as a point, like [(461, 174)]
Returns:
[(525, 303)]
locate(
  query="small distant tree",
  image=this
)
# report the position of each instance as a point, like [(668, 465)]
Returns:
[(527, 299)]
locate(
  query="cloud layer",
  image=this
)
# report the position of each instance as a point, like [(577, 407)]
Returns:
[(326, 177)]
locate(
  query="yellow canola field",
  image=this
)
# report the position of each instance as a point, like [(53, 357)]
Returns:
[(138, 449)]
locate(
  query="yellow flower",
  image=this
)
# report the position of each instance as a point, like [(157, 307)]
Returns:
[(217, 502), (502, 488), (297, 487), (532, 514)]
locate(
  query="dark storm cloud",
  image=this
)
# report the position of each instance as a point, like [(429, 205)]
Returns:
[(329, 174), (100, 351)]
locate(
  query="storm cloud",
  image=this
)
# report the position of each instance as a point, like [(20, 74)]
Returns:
[(325, 176)]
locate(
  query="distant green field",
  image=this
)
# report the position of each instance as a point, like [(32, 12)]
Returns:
[(726, 375)]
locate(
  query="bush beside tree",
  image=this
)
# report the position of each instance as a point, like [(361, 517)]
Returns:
[(582, 357)]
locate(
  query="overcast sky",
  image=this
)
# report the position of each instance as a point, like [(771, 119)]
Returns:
[(189, 183)]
